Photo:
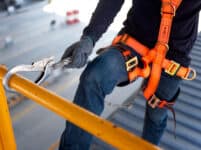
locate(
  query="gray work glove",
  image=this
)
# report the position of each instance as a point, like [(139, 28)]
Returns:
[(79, 52)]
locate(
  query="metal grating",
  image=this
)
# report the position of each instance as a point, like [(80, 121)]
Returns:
[(188, 110)]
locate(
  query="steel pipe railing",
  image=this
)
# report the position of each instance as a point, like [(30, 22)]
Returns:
[(101, 128)]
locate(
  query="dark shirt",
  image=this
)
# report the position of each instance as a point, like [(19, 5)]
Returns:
[(143, 21)]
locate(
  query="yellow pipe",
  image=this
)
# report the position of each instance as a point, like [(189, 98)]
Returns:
[(7, 139), (103, 129), (1, 141)]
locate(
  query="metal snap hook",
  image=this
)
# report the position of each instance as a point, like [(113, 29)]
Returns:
[(36, 66)]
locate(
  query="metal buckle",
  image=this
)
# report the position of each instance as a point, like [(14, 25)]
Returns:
[(154, 101), (172, 6), (131, 63), (190, 75), (124, 38), (173, 68)]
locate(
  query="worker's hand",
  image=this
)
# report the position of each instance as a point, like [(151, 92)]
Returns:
[(79, 52)]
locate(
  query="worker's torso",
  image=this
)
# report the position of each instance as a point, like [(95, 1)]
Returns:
[(143, 23)]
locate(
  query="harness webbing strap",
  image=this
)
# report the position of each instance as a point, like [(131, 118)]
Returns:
[(156, 56), (171, 67), (168, 10), (131, 42), (166, 104)]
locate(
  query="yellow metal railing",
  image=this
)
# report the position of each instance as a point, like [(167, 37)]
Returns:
[(103, 129), (7, 139)]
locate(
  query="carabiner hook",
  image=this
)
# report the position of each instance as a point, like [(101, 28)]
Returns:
[(41, 65), (50, 68)]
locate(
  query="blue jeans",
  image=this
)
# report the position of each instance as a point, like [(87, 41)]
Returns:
[(99, 79)]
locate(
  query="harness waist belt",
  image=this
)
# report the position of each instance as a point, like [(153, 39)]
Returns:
[(171, 67)]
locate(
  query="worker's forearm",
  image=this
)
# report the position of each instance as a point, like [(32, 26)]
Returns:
[(102, 17)]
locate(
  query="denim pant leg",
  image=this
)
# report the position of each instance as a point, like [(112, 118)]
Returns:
[(156, 119), (98, 79)]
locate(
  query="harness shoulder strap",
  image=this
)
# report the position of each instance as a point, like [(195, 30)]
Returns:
[(168, 11)]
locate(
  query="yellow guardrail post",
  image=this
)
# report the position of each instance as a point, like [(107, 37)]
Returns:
[(1, 141), (103, 129), (7, 139)]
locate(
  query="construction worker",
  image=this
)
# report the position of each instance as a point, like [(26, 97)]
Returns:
[(108, 69)]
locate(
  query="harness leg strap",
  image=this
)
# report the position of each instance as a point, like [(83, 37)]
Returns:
[(154, 102)]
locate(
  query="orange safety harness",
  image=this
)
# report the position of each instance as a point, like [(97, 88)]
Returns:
[(154, 57)]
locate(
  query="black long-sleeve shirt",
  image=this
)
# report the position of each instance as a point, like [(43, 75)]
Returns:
[(143, 21)]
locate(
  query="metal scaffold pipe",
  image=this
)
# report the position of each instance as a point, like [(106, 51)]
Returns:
[(101, 128), (7, 139)]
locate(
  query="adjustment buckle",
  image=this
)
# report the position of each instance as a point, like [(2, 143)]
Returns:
[(171, 9), (173, 68), (154, 101), (131, 63), (124, 39)]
